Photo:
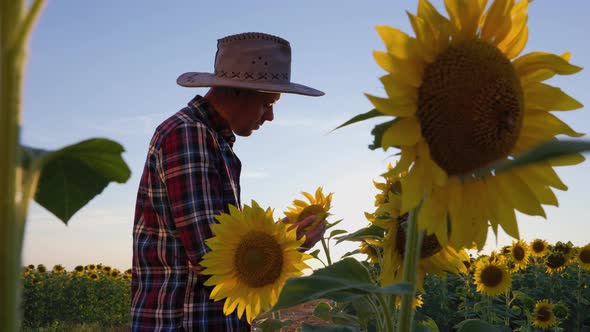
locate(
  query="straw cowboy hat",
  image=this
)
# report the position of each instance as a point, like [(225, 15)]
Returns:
[(252, 60)]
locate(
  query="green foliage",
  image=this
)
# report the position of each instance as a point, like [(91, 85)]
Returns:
[(73, 175), (61, 299), (454, 299)]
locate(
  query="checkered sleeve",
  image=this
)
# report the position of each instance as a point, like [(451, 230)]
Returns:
[(189, 159)]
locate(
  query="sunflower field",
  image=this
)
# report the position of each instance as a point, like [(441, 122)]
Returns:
[(90, 297)]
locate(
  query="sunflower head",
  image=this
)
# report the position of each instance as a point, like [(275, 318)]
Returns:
[(251, 257), (41, 268), (555, 261), (58, 268), (462, 99), (583, 256), (565, 248), (543, 316), (93, 276), (372, 249), (519, 253), (91, 267), (539, 248), (492, 277), (317, 205)]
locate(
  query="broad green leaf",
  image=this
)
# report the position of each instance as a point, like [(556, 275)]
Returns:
[(73, 175), (361, 117), (345, 280), (544, 151), (475, 325), (373, 232), (378, 132), (327, 328)]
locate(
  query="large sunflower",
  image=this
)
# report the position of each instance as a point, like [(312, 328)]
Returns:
[(539, 248), (491, 276), (462, 99), (583, 256), (251, 257), (543, 316), (317, 205)]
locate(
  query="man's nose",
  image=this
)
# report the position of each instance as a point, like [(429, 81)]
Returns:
[(268, 115)]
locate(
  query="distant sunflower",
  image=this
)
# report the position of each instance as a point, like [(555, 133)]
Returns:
[(106, 269), (41, 268), (58, 268), (583, 256), (434, 258), (79, 269), (492, 277), (372, 249), (251, 257), (93, 276), (519, 253), (90, 267), (543, 316), (539, 248), (565, 248), (317, 205), (555, 262), (462, 99)]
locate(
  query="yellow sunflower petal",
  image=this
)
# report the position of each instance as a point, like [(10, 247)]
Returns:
[(438, 25), (465, 15), (386, 106), (498, 21), (398, 43), (412, 187), (515, 41), (546, 97), (406, 131), (568, 160), (397, 88), (549, 123), (531, 63), (519, 194)]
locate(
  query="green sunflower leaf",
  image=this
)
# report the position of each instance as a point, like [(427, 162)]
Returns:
[(345, 280), (372, 232), (361, 117), (73, 175), (543, 152)]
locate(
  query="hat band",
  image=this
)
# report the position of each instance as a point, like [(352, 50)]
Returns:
[(252, 76)]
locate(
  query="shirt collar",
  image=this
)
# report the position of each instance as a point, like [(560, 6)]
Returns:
[(207, 112)]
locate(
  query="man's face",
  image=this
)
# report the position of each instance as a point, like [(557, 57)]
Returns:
[(252, 110)]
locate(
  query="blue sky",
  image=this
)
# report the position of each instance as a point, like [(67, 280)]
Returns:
[(108, 69)]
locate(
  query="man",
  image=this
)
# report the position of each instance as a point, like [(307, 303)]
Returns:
[(191, 174)]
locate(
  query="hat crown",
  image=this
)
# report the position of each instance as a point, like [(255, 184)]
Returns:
[(253, 56)]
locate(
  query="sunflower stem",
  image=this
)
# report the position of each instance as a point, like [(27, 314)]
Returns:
[(387, 324), (326, 251), (410, 273)]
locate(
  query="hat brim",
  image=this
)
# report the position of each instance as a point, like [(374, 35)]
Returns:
[(200, 80)]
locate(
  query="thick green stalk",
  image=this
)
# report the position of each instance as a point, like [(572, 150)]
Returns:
[(411, 259), (326, 251), (15, 26)]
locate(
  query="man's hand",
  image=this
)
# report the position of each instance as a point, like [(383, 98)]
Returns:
[(312, 236)]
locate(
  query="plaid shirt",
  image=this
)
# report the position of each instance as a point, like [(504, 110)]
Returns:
[(190, 174)]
